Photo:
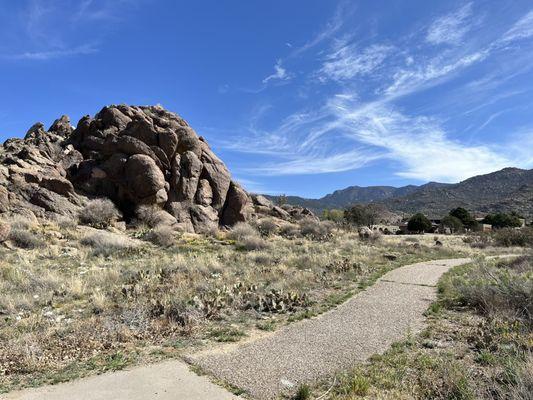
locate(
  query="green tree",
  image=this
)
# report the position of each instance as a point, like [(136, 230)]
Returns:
[(453, 223), (419, 223), (334, 215), (502, 220), (466, 218)]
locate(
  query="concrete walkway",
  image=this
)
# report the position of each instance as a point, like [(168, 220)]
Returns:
[(169, 380), (301, 352), (318, 348)]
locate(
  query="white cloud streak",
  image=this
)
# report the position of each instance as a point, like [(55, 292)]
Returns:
[(522, 29), (280, 74), (348, 133), (348, 62), (451, 28), (52, 54)]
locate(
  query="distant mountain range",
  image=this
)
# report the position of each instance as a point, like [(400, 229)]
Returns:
[(510, 189)]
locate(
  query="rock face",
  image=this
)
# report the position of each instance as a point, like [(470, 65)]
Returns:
[(132, 155)]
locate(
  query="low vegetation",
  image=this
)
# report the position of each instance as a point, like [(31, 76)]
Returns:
[(477, 345), (99, 213), (94, 300)]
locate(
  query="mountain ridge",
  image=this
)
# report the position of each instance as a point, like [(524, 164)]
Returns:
[(509, 189)]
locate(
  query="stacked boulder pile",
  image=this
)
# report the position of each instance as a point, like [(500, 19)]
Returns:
[(134, 156)]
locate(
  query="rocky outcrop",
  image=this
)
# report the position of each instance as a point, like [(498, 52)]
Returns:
[(132, 155)]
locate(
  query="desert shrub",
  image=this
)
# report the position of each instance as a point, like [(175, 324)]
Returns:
[(501, 290), (369, 235), (99, 213), (162, 235), (514, 237), (253, 242), (21, 222), (478, 240), (241, 230), (153, 216), (106, 243), (65, 222), (289, 231), (315, 229), (25, 239), (267, 226)]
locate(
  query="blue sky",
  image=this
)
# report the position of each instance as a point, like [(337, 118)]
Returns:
[(298, 97)]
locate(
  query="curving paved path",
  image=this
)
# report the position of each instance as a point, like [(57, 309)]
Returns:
[(169, 380), (318, 348), (301, 352)]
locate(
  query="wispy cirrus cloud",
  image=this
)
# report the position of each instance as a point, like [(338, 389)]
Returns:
[(331, 28), (361, 123), (431, 72), (51, 54), (280, 74), (348, 61), (450, 28), (52, 30), (522, 29)]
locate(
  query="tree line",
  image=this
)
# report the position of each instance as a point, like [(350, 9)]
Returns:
[(456, 221)]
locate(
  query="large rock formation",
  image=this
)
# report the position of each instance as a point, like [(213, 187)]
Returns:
[(131, 155)]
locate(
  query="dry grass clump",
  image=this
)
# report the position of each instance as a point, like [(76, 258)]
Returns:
[(247, 237), (504, 290), (290, 231), (21, 222), (65, 222), (153, 216), (241, 230), (25, 239), (106, 243), (267, 226), (315, 229), (100, 213), (162, 235), (253, 243)]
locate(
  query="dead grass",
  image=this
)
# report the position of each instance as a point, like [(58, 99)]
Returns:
[(477, 344), (100, 213), (96, 300)]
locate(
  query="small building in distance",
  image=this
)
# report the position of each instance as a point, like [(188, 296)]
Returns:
[(485, 227)]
